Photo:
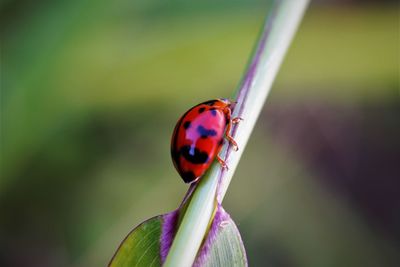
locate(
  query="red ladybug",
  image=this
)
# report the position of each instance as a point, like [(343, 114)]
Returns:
[(198, 137)]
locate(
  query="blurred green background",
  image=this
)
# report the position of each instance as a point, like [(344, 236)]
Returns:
[(91, 91)]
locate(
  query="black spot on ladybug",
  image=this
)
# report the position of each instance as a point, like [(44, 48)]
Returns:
[(201, 110), (194, 155), (204, 133), (186, 124), (210, 103), (221, 142), (213, 112), (188, 176)]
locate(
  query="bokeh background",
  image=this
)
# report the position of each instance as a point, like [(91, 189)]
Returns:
[(91, 91)]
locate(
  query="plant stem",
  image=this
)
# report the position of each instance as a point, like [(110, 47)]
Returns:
[(279, 29), (276, 37)]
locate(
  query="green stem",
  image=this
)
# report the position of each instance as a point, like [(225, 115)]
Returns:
[(279, 29)]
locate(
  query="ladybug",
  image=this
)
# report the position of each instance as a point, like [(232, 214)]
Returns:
[(198, 137)]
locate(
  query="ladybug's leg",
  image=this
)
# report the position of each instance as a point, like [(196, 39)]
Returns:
[(229, 126), (236, 120), (233, 142), (222, 162), (229, 137)]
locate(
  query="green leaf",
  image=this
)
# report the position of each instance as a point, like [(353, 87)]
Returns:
[(223, 245), (141, 247), (148, 244), (227, 249)]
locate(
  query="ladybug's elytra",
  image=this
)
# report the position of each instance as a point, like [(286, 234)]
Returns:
[(198, 137)]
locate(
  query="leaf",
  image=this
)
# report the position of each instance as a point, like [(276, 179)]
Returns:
[(141, 247), (223, 245), (149, 243)]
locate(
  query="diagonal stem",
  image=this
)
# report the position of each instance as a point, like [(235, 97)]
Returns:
[(278, 31)]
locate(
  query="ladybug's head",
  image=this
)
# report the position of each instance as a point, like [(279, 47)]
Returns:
[(228, 103), (225, 101)]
